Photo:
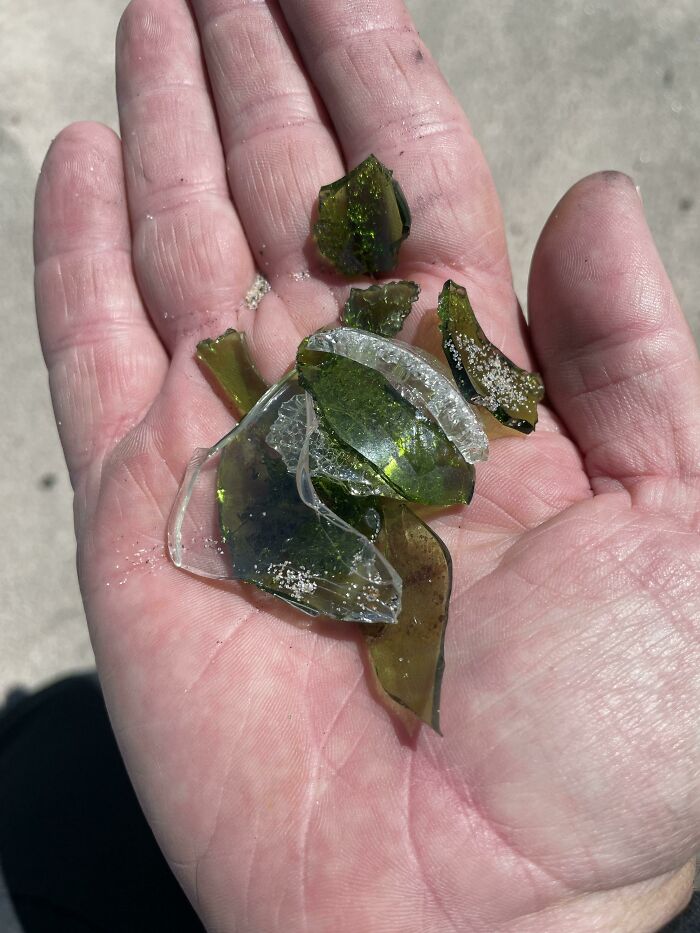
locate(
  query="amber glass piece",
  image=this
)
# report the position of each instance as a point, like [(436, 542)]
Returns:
[(408, 657), (380, 309), (228, 361), (484, 375), (362, 220)]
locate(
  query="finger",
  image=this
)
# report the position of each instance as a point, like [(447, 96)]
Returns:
[(191, 257), (385, 95), (618, 358), (105, 362), (279, 148)]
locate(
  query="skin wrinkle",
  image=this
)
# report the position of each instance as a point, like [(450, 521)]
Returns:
[(414, 849), (165, 88), (304, 844), (504, 833), (368, 33), (108, 248), (561, 915), (609, 381), (60, 276), (227, 775), (249, 873), (469, 804), (304, 115), (339, 768), (177, 196), (328, 731), (221, 647), (613, 338)]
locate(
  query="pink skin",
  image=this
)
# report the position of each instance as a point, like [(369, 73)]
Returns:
[(565, 793)]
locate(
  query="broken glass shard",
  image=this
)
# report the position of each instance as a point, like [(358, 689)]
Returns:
[(241, 515), (228, 361), (380, 309), (327, 456), (367, 414), (408, 657), (417, 377), (362, 220), (485, 376)]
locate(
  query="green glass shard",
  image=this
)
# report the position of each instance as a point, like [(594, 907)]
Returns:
[(406, 447), (418, 378), (286, 541), (484, 375), (228, 361), (362, 220), (273, 530), (380, 309), (408, 657), (362, 512), (328, 458)]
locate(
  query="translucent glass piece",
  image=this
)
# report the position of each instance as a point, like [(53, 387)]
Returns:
[(363, 219), (241, 515), (364, 413), (485, 376), (380, 309), (228, 362), (326, 456), (417, 378), (195, 541), (408, 658)]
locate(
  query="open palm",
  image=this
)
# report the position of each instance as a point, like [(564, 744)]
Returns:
[(564, 795)]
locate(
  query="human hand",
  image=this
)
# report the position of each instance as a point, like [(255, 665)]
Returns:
[(564, 795)]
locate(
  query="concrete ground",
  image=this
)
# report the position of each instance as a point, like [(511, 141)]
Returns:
[(555, 89)]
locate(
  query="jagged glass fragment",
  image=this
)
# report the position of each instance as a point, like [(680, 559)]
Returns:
[(417, 377), (408, 657), (241, 515), (365, 413), (327, 456), (362, 220), (485, 376), (380, 309), (228, 361)]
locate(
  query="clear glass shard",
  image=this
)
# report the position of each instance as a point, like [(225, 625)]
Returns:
[(326, 456), (194, 536), (417, 378)]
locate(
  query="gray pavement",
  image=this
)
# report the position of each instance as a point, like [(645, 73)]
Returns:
[(555, 89)]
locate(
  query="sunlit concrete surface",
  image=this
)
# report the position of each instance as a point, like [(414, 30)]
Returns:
[(555, 89)]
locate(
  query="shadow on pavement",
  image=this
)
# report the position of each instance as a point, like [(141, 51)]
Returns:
[(75, 850)]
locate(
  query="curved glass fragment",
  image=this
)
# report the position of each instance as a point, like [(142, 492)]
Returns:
[(228, 361), (380, 309), (327, 457), (240, 515), (362, 220), (364, 412), (417, 378), (408, 657), (484, 375)]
